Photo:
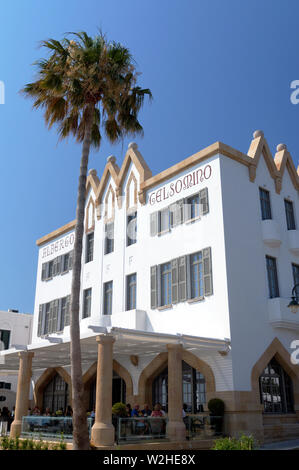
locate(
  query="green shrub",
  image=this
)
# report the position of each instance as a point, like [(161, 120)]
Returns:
[(216, 407), (9, 443), (119, 409), (231, 443)]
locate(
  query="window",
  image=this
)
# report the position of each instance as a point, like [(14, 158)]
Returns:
[(131, 292), (272, 277), (109, 238), (86, 303), (4, 338), (53, 316), (58, 265), (164, 221), (131, 228), (108, 291), (55, 396), (289, 208), (177, 213), (50, 269), (66, 262), (166, 284), (276, 390), (265, 204), (192, 208), (184, 278), (197, 283), (89, 247), (65, 312)]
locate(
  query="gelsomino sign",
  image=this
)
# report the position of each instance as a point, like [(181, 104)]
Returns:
[(194, 178)]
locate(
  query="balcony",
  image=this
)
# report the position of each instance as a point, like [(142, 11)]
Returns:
[(270, 233), (131, 319), (280, 316), (293, 241)]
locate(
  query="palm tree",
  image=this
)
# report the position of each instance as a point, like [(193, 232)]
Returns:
[(86, 86)]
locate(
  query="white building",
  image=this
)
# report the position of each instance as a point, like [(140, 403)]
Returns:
[(15, 333), (200, 296)]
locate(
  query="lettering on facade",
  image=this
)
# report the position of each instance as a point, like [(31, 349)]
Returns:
[(55, 247), (193, 178)]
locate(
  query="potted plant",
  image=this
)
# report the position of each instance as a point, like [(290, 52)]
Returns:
[(119, 411), (216, 408)]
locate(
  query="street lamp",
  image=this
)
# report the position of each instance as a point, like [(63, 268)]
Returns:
[(294, 305)]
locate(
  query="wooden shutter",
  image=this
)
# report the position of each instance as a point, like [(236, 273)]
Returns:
[(58, 265), (176, 212), (44, 271), (164, 220), (71, 259), (174, 281), (159, 297), (59, 328), (153, 287), (67, 311), (182, 278), (54, 267), (154, 224), (207, 271), (50, 321), (40, 320), (204, 201), (187, 210), (55, 316), (188, 276)]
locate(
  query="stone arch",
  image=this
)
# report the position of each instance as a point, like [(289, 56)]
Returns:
[(277, 350), (90, 374), (156, 366), (43, 381)]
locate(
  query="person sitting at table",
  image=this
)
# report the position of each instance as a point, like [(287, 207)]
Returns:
[(146, 411), (47, 412), (36, 411), (139, 426)]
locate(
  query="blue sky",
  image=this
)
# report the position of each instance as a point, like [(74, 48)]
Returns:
[(218, 70)]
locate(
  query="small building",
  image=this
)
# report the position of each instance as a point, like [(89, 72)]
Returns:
[(15, 333), (186, 280)]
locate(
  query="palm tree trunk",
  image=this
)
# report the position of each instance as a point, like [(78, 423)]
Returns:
[(80, 429)]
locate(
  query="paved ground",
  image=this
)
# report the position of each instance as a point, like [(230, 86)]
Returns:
[(282, 445)]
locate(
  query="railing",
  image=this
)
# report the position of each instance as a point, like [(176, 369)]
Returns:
[(49, 427), (203, 426), (139, 429)]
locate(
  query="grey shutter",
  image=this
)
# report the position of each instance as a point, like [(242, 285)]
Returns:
[(58, 265), (44, 271), (50, 322), (59, 327), (71, 259), (176, 211), (159, 297), (174, 281), (43, 322), (187, 210), (154, 287), (54, 267), (55, 315), (182, 278), (207, 271), (188, 276), (153, 224), (67, 311), (40, 320), (164, 220), (204, 201)]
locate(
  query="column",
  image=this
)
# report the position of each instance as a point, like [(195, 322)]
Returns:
[(176, 429), (23, 389), (102, 433)]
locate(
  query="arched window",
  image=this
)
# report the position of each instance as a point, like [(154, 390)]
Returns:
[(56, 395), (276, 389), (118, 391), (193, 384)]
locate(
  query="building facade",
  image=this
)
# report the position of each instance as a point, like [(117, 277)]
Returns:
[(15, 332), (186, 279)]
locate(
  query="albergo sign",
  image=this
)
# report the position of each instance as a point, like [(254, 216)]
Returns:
[(59, 245), (191, 179)]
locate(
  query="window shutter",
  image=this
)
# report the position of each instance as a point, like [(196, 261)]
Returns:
[(154, 287), (59, 327), (58, 264), (204, 201), (54, 267), (207, 271), (44, 271), (159, 297), (40, 320), (71, 259), (51, 313), (55, 316), (187, 210), (176, 211), (182, 278), (67, 311), (154, 224), (164, 220), (188, 276), (174, 281)]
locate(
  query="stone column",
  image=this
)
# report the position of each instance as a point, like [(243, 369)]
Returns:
[(102, 433), (23, 389), (176, 429)]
